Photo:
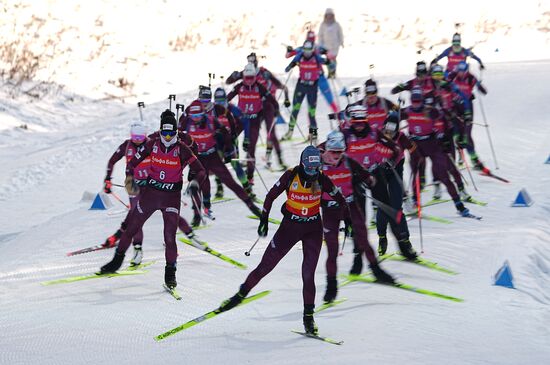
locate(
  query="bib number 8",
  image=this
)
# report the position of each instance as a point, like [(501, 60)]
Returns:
[(162, 175)]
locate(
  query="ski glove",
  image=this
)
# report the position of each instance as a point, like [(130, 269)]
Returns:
[(348, 229), (289, 49), (482, 66), (287, 103), (193, 186), (131, 186), (246, 143), (468, 117), (107, 185), (263, 227)]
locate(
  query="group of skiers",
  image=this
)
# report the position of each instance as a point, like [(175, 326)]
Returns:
[(363, 157)]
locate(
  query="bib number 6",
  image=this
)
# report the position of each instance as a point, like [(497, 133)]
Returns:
[(162, 175)]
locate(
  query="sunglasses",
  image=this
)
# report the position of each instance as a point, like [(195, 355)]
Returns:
[(137, 137), (168, 133), (196, 115)]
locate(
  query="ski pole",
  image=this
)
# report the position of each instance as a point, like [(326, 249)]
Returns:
[(488, 132), (419, 207), (178, 107), (467, 167), (120, 200), (300, 130), (199, 207), (389, 210), (261, 178), (141, 105), (170, 98), (247, 253), (343, 245), (279, 97)]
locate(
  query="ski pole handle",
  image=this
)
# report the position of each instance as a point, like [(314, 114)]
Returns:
[(247, 253), (170, 98), (141, 105)]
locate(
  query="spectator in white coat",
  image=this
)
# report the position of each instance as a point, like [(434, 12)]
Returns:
[(330, 33)]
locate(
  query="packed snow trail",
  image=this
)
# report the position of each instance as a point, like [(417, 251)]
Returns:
[(115, 320)]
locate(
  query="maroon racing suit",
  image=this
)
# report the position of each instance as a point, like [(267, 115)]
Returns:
[(301, 222), (251, 104), (272, 84), (162, 192), (343, 175), (140, 177), (421, 125), (128, 149), (211, 137)]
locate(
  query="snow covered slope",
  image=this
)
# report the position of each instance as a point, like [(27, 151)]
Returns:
[(47, 168)]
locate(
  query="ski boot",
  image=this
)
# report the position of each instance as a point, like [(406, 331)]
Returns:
[(462, 210), (208, 213), (249, 189), (219, 189), (112, 266), (357, 266), (196, 221), (234, 301), (464, 196), (406, 249), (288, 135), (170, 276), (112, 240), (313, 136), (138, 255), (332, 290), (380, 275), (437, 191), (409, 205), (309, 323), (382, 245)]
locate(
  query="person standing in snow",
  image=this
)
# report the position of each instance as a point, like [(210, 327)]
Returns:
[(331, 37)]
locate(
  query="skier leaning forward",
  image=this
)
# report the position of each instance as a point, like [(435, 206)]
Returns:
[(169, 156), (304, 186), (343, 171)]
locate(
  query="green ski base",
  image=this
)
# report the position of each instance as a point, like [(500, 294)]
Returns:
[(221, 200), (328, 305), (173, 292), (474, 201), (430, 218), (271, 220), (72, 279), (141, 266), (320, 338), (206, 316), (204, 247), (420, 261), (435, 202), (370, 279)]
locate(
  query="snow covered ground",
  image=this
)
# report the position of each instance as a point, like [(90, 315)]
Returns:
[(63, 153)]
